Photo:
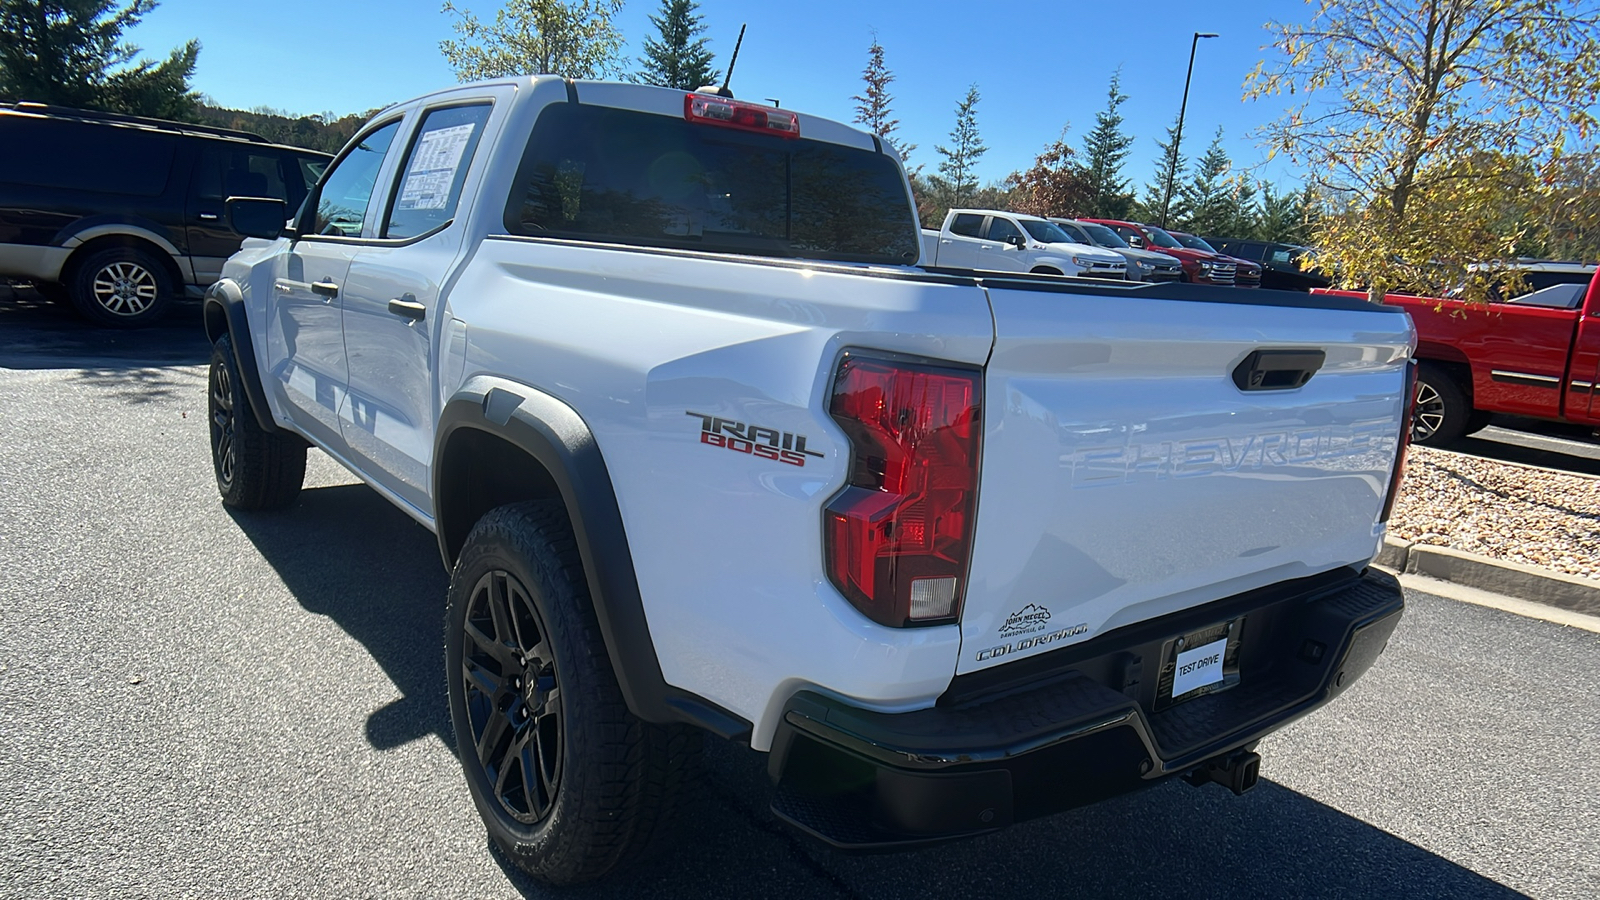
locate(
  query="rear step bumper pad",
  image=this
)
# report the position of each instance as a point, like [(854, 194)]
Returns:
[(1079, 732)]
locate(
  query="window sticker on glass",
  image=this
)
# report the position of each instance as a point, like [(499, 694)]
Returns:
[(433, 168)]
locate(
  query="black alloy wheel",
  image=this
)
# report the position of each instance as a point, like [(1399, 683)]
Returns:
[(224, 453), (513, 700)]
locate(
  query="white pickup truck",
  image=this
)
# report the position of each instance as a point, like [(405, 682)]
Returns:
[(996, 241), (706, 453)]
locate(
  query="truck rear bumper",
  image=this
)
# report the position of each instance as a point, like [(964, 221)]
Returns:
[(1076, 726)]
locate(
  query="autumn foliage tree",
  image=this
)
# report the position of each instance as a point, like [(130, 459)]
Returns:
[(873, 103), (1429, 120), (1055, 185), (573, 38)]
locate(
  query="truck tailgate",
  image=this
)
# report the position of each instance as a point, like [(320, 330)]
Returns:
[(1126, 475)]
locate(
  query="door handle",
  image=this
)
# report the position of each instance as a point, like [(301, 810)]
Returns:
[(325, 288), (409, 309), (209, 217)]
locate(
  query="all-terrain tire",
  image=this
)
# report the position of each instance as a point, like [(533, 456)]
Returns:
[(570, 802), (121, 287), (255, 468), (1443, 412)]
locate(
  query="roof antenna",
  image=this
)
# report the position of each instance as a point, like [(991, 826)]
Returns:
[(723, 90)]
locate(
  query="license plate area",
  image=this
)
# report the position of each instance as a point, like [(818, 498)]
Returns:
[(1199, 663)]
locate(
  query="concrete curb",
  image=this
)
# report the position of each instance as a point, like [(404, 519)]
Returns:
[(1510, 579)]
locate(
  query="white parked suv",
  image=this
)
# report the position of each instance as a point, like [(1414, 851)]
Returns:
[(999, 241), (707, 453)]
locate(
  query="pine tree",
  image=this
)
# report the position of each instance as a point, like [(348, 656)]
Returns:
[(679, 59), (1171, 168), (958, 181), (1207, 195), (872, 104), (1105, 149), (70, 53)]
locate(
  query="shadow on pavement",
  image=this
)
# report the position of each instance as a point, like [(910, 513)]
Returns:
[(346, 553), (38, 334), (1514, 446), (1171, 840)]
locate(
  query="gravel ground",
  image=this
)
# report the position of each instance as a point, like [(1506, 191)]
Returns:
[(1501, 510)]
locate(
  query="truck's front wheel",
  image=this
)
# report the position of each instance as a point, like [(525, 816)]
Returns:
[(568, 782), (255, 469), (1443, 412)]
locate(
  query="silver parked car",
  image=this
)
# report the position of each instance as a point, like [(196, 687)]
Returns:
[(1143, 265)]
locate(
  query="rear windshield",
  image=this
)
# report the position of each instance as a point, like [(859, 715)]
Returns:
[(628, 177)]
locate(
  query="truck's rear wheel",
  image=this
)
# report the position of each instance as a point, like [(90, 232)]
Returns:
[(568, 782), (1443, 411)]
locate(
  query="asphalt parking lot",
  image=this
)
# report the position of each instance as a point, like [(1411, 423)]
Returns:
[(197, 703)]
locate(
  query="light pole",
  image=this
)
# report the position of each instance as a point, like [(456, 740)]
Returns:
[(1177, 140)]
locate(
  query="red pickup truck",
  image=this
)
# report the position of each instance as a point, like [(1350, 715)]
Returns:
[(1536, 355)]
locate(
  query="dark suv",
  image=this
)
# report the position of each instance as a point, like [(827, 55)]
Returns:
[(120, 214), (1280, 263)]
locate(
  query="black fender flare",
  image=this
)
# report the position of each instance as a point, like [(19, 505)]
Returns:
[(224, 313), (553, 434)]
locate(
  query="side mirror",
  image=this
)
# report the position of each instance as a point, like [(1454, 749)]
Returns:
[(257, 217), (1017, 241), (1136, 242)]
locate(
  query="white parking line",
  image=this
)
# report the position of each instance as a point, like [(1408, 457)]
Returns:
[(1503, 603)]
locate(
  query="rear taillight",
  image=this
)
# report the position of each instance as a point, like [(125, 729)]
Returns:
[(1405, 442), (710, 109), (899, 535)]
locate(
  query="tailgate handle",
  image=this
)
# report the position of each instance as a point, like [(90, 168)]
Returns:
[(1277, 370)]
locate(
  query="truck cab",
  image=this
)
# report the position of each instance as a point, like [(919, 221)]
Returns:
[(997, 241)]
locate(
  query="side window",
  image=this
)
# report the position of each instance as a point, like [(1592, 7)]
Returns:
[(1280, 256), (967, 225), (82, 156), (1128, 233), (1002, 229), (228, 172), (429, 186), (348, 187), (1073, 232)]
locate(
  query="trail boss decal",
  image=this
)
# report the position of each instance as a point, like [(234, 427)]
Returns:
[(756, 440)]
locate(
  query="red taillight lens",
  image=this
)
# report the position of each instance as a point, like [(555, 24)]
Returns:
[(1405, 442), (899, 535), (709, 109)]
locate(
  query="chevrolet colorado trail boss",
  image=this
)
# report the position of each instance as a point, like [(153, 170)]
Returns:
[(705, 452)]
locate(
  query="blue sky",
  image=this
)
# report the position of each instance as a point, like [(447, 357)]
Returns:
[(1037, 66)]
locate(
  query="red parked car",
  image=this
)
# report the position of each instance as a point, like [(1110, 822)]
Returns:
[(1199, 267), (1247, 273), (1536, 355)]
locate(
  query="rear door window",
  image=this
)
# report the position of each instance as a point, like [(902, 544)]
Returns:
[(626, 177), (967, 225), (98, 158), (429, 185)]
